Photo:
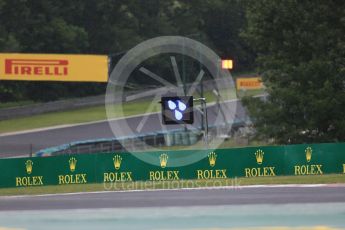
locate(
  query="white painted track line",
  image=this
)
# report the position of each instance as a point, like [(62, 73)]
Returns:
[(183, 189)]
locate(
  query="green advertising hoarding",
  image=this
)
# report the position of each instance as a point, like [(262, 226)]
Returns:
[(265, 161)]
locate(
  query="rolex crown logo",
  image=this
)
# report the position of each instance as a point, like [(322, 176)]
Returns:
[(72, 164), (308, 151), (259, 155), (117, 161), (28, 166), (212, 158), (163, 158)]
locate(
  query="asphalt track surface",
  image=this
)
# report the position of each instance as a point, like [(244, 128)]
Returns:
[(274, 195), (22, 144), (267, 207)]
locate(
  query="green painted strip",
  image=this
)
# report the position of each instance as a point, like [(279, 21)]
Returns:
[(265, 161)]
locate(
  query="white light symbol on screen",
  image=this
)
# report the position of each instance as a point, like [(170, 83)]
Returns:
[(180, 107)]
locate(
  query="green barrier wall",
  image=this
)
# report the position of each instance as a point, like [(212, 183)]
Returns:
[(221, 163)]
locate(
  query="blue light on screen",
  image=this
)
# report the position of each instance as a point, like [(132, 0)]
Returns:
[(177, 107)]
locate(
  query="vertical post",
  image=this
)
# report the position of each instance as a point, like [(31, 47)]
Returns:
[(30, 150), (205, 119), (202, 107), (184, 82), (184, 74), (206, 122)]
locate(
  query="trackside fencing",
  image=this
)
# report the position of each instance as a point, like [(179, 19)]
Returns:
[(265, 161)]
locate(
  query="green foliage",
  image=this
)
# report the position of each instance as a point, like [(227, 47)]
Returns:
[(223, 22), (111, 27), (301, 56)]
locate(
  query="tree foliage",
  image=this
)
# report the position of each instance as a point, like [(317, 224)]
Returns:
[(301, 56), (111, 27)]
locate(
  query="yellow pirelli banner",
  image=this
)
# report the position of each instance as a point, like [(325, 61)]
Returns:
[(54, 67), (249, 83)]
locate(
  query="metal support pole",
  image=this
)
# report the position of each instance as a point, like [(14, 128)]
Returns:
[(206, 124), (205, 120), (202, 107), (30, 150)]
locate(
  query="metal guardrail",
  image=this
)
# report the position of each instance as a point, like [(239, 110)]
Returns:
[(170, 138), (134, 143)]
